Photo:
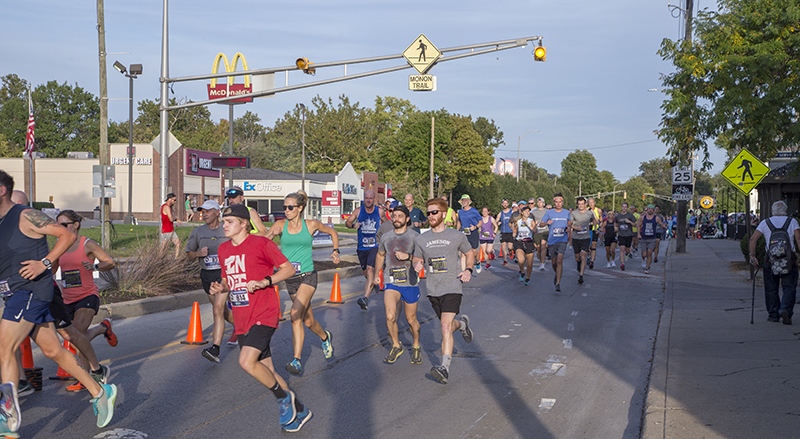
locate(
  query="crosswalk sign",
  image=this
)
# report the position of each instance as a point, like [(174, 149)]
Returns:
[(745, 171)]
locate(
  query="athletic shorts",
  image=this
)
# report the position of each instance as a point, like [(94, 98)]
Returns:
[(473, 239), (595, 235), (209, 276), (658, 235), (259, 337), (525, 246), (91, 301), (610, 239), (59, 311), (647, 244), (487, 240), (22, 305), (307, 278), (367, 257), (167, 236), (409, 294), (507, 237), (624, 241), (539, 237), (446, 303), (581, 245), (558, 248)]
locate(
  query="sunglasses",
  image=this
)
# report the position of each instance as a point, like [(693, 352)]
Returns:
[(289, 208), (432, 212), (66, 224), (233, 193)]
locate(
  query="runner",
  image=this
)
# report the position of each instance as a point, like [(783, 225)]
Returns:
[(598, 215), (467, 221), (235, 195), (647, 235), (523, 245), (416, 217), (248, 274), (297, 245), (366, 219), (167, 228), (559, 224), (26, 285), (488, 229), (506, 237), (582, 220), (451, 218), (609, 228), (203, 245), (399, 244), (438, 252), (625, 222), (636, 216), (540, 237), (660, 226)]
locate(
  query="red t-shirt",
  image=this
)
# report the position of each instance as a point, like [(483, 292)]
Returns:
[(254, 259)]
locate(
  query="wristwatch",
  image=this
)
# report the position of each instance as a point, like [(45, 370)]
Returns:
[(47, 263), (269, 278), (336, 250), (468, 269)]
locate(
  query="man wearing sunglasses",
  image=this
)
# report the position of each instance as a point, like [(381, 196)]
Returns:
[(235, 195), (439, 252), (167, 227), (366, 220)]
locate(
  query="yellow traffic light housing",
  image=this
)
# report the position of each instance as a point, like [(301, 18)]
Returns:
[(305, 65), (540, 53)]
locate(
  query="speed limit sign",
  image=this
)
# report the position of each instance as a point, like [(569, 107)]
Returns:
[(682, 175)]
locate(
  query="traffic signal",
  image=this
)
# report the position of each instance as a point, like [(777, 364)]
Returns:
[(644, 197), (625, 195), (305, 65), (540, 53)]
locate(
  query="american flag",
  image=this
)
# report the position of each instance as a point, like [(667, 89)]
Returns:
[(29, 139)]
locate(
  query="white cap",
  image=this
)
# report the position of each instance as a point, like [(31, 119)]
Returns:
[(209, 204)]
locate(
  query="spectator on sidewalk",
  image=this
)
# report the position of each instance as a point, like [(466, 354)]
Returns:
[(777, 308)]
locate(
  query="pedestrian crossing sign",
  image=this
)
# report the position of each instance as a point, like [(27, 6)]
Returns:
[(421, 54), (745, 171)]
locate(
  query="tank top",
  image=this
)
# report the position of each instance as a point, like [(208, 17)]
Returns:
[(297, 248), (649, 227), (505, 220), (76, 281), (610, 232), (524, 231), (487, 229), (369, 228), (598, 213), (253, 228), (15, 248), (166, 224)]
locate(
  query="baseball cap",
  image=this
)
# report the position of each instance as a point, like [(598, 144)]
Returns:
[(540, 199), (523, 203), (466, 197), (394, 204), (650, 206), (208, 205), (403, 209), (234, 191), (514, 205), (237, 210)]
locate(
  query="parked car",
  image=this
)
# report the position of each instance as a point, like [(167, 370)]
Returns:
[(272, 217)]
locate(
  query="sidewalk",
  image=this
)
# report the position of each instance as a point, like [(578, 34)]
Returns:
[(714, 374)]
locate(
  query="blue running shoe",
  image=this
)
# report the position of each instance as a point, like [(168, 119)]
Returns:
[(522, 277), (327, 346), (103, 405), (10, 416), (527, 281), (301, 420), (288, 412), (294, 367)]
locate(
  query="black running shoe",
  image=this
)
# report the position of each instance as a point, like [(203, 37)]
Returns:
[(439, 373)]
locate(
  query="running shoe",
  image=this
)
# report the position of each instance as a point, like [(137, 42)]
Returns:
[(416, 355), (542, 267), (613, 264), (102, 377), (232, 341), (25, 388), (327, 346), (608, 264), (591, 265), (646, 271), (527, 281), (522, 277), (505, 263), (103, 405), (466, 331), (363, 302), (394, 354), (9, 410), (76, 387), (558, 288), (655, 259), (287, 409), (478, 268), (294, 366), (580, 280), (439, 373), (487, 266), (622, 266), (111, 338), (211, 354), (299, 422)]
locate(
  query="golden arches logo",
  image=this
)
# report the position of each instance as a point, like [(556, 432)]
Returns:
[(230, 68)]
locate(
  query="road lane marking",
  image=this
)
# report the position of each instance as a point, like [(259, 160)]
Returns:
[(121, 433), (546, 404), (570, 326), (574, 313), (567, 343)]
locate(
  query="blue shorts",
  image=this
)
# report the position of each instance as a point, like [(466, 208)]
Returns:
[(409, 294), (22, 304)]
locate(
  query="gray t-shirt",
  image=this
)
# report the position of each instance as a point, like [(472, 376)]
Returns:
[(440, 250), (580, 224), (626, 228), (537, 215), (385, 227), (205, 236), (399, 273)]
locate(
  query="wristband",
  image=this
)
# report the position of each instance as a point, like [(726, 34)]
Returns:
[(269, 278), (336, 250), (468, 269)]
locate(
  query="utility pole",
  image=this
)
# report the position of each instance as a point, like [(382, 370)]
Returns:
[(430, 186), (105, 207), (680, 241)]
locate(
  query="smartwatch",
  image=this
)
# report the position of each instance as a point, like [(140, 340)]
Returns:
[(269, 278), (47, 264)]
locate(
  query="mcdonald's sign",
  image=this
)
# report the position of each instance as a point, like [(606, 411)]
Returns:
[(218, 91)]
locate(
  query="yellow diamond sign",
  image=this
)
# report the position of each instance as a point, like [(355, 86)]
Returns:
[(745, 172), (421, 54)]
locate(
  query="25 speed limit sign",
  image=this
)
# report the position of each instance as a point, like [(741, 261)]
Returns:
[(682, 175)]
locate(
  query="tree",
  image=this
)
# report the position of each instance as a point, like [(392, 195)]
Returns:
[(13, 112), (579, 173), (635, 188), (737, 82), (658, 174), (530, 171)]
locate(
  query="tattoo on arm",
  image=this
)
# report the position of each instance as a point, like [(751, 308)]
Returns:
[(38, 218)]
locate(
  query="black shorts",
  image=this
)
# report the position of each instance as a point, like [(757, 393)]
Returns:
[(473, 239), (581, 245), (91, 301), (610, 239), (507, 237), (624, 241), (307, 278), (59, 311), (528, 247), (595, 235), (446, 303), (259, 337), (367, 257), (209, 276)]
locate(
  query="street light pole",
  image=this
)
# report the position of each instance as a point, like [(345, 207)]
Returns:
[(132, 73), (519, 140), (303, 158)]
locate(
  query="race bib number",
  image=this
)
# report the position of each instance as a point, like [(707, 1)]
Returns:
[(239, 298), (583, 231), (71, 279), (524, 233), (438, 265), (211, 262), (296, 266), (558, 232), (467, 231), (4, 290), (623, 227), (398, 275), (648, 228), (368, 241), (486, 234)]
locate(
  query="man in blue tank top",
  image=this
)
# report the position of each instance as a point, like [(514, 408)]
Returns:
[(506, 234), (647, 235), (366, 220)]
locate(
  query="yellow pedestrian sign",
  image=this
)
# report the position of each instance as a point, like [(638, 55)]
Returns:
[(745, 172), (421, 54)]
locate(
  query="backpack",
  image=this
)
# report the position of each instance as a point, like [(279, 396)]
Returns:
[(779, 249)]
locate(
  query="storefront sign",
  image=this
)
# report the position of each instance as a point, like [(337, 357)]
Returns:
[(349, 189), (199, 163), (261, 186), (331, 199), (217, 91), (136, 161)]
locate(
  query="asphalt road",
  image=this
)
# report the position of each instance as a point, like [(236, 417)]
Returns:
[(542, 364)]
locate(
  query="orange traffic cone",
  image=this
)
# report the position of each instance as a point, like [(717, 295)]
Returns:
[(195, 334), (480, 254), (422, 274), (382, 286), (62, 374), (27, 353), (278, 296), (501, 251), (336, 291)]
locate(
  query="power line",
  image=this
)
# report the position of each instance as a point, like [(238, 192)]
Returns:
[(590, 149)]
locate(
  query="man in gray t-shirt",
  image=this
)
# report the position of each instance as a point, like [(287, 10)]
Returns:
[(582, 219), (437, 252), (626, 222)]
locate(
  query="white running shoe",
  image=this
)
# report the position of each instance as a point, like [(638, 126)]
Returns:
[(608, 264), (613, 264), (542, 268)]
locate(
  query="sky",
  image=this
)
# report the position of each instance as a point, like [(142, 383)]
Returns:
[(591, 93)]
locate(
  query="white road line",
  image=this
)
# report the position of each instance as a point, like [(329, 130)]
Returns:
[(570, 326), (504, 336), (574, 313), (567, 343), (546, 404), (585, 294)]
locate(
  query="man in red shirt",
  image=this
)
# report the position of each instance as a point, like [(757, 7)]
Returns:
[(248, 264), (167, 228)]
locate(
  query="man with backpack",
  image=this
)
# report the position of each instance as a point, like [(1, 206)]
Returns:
[(780, 262)]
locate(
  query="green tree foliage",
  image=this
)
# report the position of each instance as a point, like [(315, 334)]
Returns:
[(635, 188), (579, 168), (737, 82), (658, 173), (530, 171), (13, 112)]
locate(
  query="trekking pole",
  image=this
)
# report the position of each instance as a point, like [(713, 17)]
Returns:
[(753, 301)]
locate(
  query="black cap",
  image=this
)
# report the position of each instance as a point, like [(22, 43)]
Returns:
[(404, 209), (237, 210)]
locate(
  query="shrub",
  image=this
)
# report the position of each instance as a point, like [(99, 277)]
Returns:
[(761, 246), (43, 205)]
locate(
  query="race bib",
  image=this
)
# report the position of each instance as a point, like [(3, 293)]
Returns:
[(438, 265), (4, 290), (524, 233), (71, 278), (558, 232), (296, 266), (648, 228), (623, 227), (486, 234), (584, 231), (398, 275), (368, 241), (211, 262), (467, 231), (239, 298)]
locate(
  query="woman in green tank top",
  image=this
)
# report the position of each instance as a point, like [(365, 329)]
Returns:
[(296, 244)]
